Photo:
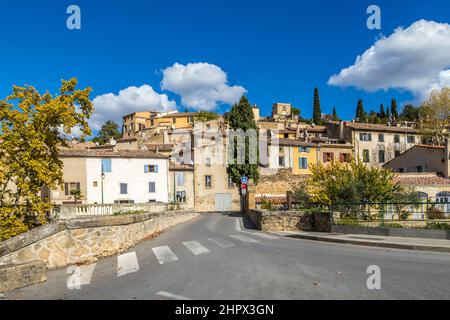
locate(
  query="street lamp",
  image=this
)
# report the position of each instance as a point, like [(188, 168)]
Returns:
[(103, 178)]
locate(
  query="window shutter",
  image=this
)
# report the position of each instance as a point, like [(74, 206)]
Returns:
[(324, 157), (156, 168), (66, 188), (145, 168), (341, 157), (78, 186), (332, 156)]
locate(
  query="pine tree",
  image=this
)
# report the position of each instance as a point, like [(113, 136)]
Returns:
[(394, 111), (382, 112), (335, 116), (360, 113), (317, 113), (241, 117)]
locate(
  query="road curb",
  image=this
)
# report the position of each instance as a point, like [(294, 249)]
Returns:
[(373, 244)]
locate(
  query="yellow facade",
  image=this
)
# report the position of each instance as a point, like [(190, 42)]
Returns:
[(302, 167), (178, 120)]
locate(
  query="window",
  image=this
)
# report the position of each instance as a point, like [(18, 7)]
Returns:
[(179, 177), (281, 161), (381, 137), (400, 170), (366, 156), (328, 157), (123, 188), (174, 120), (397, 153), (286, 135), (303, 163), (150, 168), (344, 157), (230, 183), (123, 201), (365, 136), (151, 187), (411, 139), (303, 149), (71, 186), (208, 181), (397, 138), (95, 183), (381, 156), (208, 162), (419, 169), (180, 196), (106, 165)]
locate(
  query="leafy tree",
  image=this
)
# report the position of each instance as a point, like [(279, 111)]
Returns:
[(31, 130), (404, 198), (382, 112), (335, 116), (361, 115), (346, 184), (435, 112), (394, 111), (295, 111), (409, 113), (241, 117), (109, 129), (204, 116), (317, 113), (76, 194)]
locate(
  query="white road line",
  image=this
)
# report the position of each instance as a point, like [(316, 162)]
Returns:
[(261, 235), (127, 263), (243, 238), (221, 242), (237, 225), (171, 295), (164, 254), (195, 247)]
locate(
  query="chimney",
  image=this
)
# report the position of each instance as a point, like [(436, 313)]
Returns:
[(341, 130), (446, 159)]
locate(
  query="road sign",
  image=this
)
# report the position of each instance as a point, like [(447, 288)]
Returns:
[(244, 180), (243, 186)]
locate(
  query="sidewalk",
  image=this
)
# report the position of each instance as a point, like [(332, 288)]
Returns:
[(373, 241)]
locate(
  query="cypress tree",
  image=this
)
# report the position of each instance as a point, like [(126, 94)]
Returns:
[(394, 111), (388, 113), (382, 112), (335, 116), (360, 113), (241, 117), (317, 113)]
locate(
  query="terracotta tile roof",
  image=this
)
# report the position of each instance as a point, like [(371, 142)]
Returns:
[(160, 147), (428, 146), (422, 180), (278, 199), (380, 127), (126, 140), (180, 166), (291, 143), (88, 153)]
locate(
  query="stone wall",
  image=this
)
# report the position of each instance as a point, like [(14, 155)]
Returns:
[(85, 240), (279, 183), (290, 220)]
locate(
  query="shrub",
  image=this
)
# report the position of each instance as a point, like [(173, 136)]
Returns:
[(434, 213), (266, 204), (438, 226)]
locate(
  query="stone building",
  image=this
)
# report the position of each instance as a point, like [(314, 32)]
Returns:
[(181, 184), (374, 144)]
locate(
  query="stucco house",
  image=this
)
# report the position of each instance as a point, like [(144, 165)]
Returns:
[(113, 176)]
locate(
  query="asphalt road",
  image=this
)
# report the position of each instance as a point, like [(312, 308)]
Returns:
[(216, 257)]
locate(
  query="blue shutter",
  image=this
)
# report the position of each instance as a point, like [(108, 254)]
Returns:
[(156, 168), (145, 168), (106, 165)]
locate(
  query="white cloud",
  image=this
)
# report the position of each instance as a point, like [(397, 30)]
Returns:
[(132, 99), (415, 59), (201, 85)]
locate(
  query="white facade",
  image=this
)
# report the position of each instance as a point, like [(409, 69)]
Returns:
[(131, 174)]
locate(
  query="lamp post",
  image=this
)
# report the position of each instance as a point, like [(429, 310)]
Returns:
[(103, 178)]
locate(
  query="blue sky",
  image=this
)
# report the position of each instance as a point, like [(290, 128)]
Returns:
[(275, 50)]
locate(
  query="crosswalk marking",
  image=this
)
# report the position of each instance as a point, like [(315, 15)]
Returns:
[(195, 247), (243, 238), (172, 295), (261, 235), (127, 263), (164, 254), (221, 242)]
